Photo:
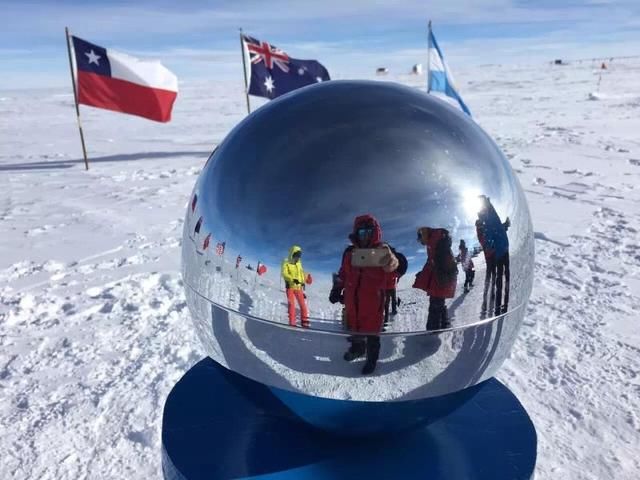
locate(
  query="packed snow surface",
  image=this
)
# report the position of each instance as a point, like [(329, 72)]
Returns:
[(94, 329)]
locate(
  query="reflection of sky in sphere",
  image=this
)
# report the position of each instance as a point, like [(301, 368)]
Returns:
[(300, 169)]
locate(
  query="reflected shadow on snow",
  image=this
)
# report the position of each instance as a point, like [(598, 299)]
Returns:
[(311, 362)]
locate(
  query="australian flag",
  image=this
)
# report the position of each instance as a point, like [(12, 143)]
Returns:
[(274, 73)]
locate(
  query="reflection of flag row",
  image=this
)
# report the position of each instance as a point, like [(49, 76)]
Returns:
[(196, 230), (220, 246), (262, 268)]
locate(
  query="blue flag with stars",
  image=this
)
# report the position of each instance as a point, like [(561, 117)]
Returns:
[(274, 73)]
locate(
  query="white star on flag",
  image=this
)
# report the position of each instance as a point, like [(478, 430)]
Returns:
[(268, 83), (318, 79), (93, 57), (301, 71)]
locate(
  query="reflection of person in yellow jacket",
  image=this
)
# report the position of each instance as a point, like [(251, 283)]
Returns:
[(294, 280)]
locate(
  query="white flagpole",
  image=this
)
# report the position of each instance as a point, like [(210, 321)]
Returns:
[(75, 99), (429, 60), (244, 71)]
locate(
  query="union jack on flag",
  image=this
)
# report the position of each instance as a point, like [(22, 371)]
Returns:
[(270, 55), (220, 248), (274, 73)]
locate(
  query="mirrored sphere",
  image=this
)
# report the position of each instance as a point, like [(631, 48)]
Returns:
[(294, 176)]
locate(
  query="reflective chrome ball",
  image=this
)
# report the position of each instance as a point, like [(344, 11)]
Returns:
[(292, 177)]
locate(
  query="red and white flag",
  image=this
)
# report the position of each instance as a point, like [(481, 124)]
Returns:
[(122, 83), (262, 269), (205, 244), (220, 248)]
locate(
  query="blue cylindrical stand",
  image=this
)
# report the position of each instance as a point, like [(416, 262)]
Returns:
[(220, 425)]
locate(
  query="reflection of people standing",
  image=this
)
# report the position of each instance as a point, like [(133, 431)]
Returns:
[(362, 291), (438, 276), (464, 257), (492, 234), (294, 278), (390, 295)]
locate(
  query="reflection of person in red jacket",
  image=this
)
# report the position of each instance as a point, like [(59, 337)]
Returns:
[(438, 276), (361, 289)]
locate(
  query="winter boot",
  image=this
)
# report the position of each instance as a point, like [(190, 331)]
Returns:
[(444, 318), (373, 351), (434, 318), (369, 367), (356, 350)]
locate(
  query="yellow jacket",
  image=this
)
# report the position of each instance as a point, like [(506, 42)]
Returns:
[(292, 270)]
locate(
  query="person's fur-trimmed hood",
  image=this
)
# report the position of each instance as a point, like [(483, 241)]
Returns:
[(362, 221)]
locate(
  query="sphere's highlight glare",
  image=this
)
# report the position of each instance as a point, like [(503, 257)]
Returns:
[(296, 173)]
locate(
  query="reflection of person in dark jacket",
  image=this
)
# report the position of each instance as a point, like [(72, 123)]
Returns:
[(390, 296), (492, 234), (361, 289), (465, 260), (438, 276)]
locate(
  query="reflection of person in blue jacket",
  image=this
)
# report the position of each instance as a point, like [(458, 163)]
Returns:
[(492, 234)]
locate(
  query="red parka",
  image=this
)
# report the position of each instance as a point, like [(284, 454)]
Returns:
[(427, 279), (364, 287)]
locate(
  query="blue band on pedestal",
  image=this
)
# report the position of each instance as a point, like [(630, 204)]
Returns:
[(356, 418), (218, 424)]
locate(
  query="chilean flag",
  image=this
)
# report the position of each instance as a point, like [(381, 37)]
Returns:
[(119, 82)]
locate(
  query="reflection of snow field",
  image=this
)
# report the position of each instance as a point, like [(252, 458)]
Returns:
[(308, 361)]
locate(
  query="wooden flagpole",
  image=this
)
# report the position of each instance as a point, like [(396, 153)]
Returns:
[(429, 60), (75, 99), (244, 71)]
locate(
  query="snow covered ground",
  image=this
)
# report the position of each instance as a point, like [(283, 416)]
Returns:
[(94, 329)]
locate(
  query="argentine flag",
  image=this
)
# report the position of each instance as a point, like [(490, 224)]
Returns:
[(440, 78)]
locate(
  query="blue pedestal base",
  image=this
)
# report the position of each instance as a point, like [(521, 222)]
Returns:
[(220, 425)]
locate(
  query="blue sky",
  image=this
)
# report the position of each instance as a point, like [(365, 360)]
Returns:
[(199, 39)]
